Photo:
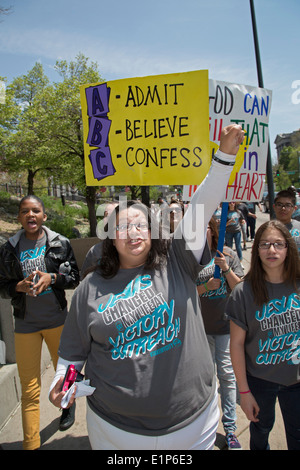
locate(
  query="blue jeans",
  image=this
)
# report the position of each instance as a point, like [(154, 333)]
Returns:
[(266, 393), (229, 237), (219, 346)]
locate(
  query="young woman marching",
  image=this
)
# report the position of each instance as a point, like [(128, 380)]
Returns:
[(265, 335)]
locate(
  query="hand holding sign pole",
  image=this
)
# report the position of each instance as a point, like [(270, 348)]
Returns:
[(222, 229), (221, 238)]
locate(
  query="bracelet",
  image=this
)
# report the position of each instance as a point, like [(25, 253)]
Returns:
[(227, 271), (217, 159), (243, 393), (205, 287)]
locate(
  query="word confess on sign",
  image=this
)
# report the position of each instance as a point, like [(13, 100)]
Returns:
[(147, 131)]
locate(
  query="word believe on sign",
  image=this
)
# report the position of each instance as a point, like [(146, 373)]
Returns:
[(147, 131), (250, 107)]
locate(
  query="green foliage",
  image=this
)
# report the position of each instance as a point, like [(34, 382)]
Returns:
[(282, 179), (75, 212), (40, 123), (62, 219), (287, 172), (9, 204), (4, 197), (63, 225), (54, 206), (284, 158)]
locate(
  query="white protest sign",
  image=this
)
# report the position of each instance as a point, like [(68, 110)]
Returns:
[(250, 107)]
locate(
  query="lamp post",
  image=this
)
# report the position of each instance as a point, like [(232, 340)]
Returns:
[(261, 85)]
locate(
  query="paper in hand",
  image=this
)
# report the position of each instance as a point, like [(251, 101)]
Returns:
[(83, 389)]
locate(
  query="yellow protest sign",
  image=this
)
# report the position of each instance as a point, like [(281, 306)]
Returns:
[(147, 131)]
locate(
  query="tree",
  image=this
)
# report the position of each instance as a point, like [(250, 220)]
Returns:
[(47, 134), (22, 145), (284, 158), (289, 167), (63, 126), (28, 86), (5, 11), (294, 165), (9, 114), (282, 179)]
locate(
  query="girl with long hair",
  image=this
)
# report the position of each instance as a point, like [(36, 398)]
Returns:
[(264, 311)]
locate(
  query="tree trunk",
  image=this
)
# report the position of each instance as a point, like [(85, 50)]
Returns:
[(91, 203), (145, 195), (30, 178), (134, 192)]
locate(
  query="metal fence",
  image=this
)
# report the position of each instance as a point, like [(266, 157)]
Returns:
[(68, 192)]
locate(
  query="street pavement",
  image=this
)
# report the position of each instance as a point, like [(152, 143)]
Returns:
[(76, 438)]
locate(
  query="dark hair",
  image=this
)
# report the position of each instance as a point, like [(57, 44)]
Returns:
[(179, 204), (32, 196), (290, 192), (109, 263), (256, 274), (212, 224)]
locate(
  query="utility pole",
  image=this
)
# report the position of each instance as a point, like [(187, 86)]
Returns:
[(261, 85)]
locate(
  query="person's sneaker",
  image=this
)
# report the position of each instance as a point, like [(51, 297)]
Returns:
[(67, 418), (232, 442)]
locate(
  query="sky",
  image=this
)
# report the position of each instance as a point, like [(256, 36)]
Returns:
[(135, 38)]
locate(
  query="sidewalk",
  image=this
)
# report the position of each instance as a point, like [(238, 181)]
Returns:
[(76, 437)]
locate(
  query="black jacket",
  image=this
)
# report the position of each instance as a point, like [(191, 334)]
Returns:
[(58, 250)]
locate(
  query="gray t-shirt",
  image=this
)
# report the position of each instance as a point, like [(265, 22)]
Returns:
[(143, 338), (213, 302), (272, 346), (234, 217), (92, 258), (42, 312), (294, 228)]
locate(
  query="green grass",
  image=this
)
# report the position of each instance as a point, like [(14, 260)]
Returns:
[(61, 219)]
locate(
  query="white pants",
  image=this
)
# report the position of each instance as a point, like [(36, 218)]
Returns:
[(199, 435)]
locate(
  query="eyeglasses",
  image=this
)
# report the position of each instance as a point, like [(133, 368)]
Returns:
[(277, 245), (141, 226), (175, 209), (288, 205)]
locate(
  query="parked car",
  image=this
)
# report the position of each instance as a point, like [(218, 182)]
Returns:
[(296, 214), (265, 201)]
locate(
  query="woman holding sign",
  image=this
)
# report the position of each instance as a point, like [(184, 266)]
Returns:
[(214, 293), (135, 322)]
